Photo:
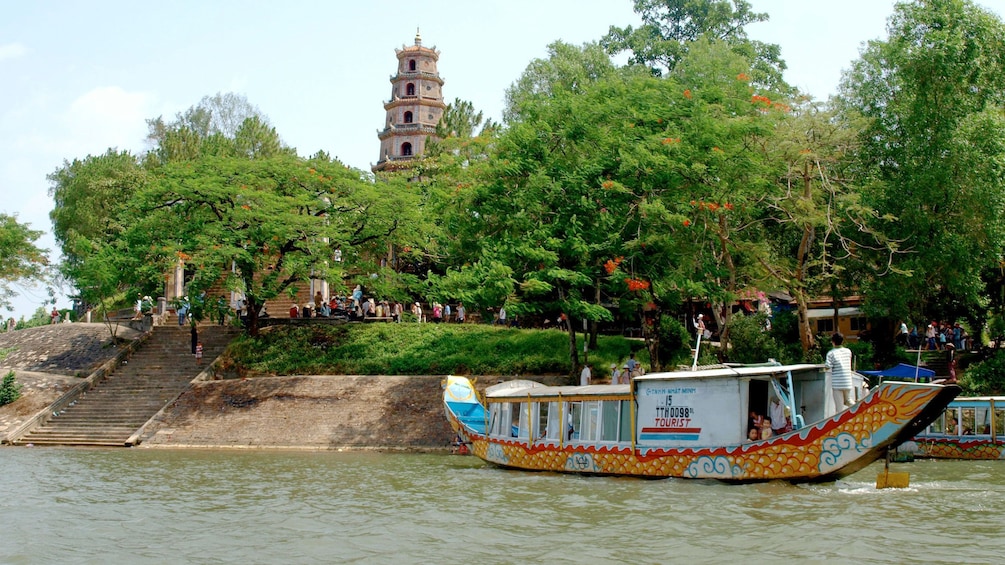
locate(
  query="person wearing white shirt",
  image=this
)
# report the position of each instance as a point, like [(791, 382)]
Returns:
[(839, 364)]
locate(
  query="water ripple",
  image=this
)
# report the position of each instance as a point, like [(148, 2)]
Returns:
[(142, 506)]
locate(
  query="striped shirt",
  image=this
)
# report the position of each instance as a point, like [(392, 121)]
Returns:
[(839, 363)]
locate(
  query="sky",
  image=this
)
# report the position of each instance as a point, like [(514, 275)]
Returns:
[(78, 78)]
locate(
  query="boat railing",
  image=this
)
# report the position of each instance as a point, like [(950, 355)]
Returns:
[(788, 400)]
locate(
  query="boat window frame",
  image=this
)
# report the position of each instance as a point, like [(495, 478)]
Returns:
[(607, 423), (589, 431), (572, 415)]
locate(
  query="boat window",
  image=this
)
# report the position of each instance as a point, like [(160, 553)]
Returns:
[(951, 423), (591, 421), (495, 411), (515, 419), (574, 411), (999, 422), (626, 421), (968, 421), (525, 420), (554, 422), (982, 421), (541, 410), (611, 422)]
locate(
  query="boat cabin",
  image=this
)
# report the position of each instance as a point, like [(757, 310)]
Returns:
[(664, 410), (981, 417)]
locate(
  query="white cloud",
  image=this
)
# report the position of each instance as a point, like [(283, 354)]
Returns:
[(109, 116), (12, 51)]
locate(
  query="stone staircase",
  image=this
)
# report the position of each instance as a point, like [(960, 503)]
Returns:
[(116, 407)]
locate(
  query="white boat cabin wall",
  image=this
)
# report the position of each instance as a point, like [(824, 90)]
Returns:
[(671, 409)]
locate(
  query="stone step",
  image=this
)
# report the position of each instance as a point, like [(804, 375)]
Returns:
[(119, 405)]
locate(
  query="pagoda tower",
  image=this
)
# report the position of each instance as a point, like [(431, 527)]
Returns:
[(415, 108)]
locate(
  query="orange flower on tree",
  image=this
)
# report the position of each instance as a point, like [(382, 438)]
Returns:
[(687, 223), (671, 140), (608, 184), (687, 94), (743, 76), (636, 285)]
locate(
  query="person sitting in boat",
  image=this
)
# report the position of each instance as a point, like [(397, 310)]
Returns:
[(754, 422), (754, 434), (780, 422), (765, 429)]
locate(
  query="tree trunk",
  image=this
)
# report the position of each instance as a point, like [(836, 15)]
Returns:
[(594, 325), (573, 351), (253, 307), (650, 331), (805, 331)]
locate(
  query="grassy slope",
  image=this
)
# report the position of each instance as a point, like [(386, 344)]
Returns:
[(420, 349)]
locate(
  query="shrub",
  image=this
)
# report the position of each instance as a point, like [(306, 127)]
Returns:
[(9, 389), (750, 342), (675, 346), (986, 377)]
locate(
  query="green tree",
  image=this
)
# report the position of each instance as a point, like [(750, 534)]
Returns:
[(20, 258), (461, 120), (224, 125), (89, 195), (818, 229), (934, 94), (10, 389), (670, 27), (260, 225)]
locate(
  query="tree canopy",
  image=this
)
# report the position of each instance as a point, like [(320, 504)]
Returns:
[(20, 258), (691, 178)]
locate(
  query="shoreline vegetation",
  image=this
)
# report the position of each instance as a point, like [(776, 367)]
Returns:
[(418, 349), (348, 387)]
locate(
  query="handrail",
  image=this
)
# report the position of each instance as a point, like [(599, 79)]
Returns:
[(789, 399)]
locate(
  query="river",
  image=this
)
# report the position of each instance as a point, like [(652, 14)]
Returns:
[(139, 505)]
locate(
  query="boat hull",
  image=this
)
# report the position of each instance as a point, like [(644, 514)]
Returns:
[(976, 449), (826, 450)]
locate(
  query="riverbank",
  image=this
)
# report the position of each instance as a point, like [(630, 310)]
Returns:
[(403, 413), (388, 413)]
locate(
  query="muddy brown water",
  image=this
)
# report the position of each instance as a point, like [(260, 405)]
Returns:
[(63, 505)]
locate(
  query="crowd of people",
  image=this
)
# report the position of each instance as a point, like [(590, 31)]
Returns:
[(358, 307), (629, 370), (937, 336)]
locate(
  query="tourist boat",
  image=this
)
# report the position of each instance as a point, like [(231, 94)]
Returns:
[(690, 424), (969, 428)]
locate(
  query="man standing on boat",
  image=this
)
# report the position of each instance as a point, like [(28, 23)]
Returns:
[(839, 364)]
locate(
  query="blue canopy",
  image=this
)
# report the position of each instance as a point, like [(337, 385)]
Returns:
[(903, 371)]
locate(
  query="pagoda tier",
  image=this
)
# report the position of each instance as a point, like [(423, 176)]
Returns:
[(414, 109)]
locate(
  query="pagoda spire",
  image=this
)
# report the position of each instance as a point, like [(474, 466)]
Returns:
[(414, 109)]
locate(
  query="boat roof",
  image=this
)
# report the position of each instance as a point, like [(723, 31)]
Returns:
[(733, 372), (963, 400), (552, 391), (524, 388)]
